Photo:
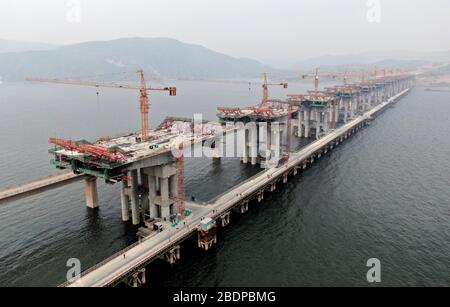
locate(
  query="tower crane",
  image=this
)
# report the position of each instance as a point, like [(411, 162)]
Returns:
[(143, 89), (265, 85)]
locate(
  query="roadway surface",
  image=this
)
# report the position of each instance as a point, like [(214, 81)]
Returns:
[(38, 186)]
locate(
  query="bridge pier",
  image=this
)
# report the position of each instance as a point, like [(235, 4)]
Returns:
[(137, 279), (206, 238), (318, 122), (90, 190), (145, 191), (125, 201), (285, 178), (135, 212), (217, 151), (307, 122), (225, 219), (259, 197), (172, 255), (242, 207), (300, 123), (273, 187), (162, 204)]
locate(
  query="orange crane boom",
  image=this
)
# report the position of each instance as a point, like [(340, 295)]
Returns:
[(265, 85), (143, 89)]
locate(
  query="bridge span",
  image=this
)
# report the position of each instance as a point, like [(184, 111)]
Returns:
[(129, 265), (38, 186)]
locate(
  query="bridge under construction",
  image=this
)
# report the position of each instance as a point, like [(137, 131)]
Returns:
[(150, 166)]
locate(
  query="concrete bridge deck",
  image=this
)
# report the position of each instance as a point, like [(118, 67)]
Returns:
[(38, 186), (58, 180), (124, 263)]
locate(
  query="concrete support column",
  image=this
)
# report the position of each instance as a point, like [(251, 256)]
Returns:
[(162, 178), (135, 214), (254, 145), (354, 107), (269, 141), (173, 184), (164, 182), (263, 145), (307, 122), (245, 152), (144, 199), (216, 151), (125, 201), (90, 190), (152, 195), (300, 120), (164, 189), (275, 141), (318, 119), (326, 121), (345, 111)]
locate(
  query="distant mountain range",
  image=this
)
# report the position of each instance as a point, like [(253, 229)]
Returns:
[(165, 58), (19, 46), (382, 58), (160, 58)]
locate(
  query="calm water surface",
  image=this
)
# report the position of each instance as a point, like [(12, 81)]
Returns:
[(383, 194)]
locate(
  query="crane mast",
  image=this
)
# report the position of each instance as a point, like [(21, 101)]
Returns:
[(144, 102)]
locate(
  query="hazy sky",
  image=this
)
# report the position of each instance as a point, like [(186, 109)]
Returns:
[(275, 30)]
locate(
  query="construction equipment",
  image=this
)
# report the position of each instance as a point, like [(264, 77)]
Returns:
[(265, 85), (230, 111), (344, 76), (94, 150), (265, 98), (143, 89)]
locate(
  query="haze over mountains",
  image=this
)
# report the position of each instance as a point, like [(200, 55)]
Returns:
[(159, 57), (165, 58), (399, 57), (19, 46)]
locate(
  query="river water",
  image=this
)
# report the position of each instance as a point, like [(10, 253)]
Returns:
[(384, 194)]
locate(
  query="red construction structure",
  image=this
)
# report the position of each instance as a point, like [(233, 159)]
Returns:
[(94, 150)]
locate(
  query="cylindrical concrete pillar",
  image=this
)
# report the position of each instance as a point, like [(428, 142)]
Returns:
[(164, 186), (173, 183), (152, 195), (90, 190), (318, 119), (307, 122), (300, 120), (254, 145), (245, 152), (345, 111), (125, 201), (135, 213), (269, 142), (144, 184)]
